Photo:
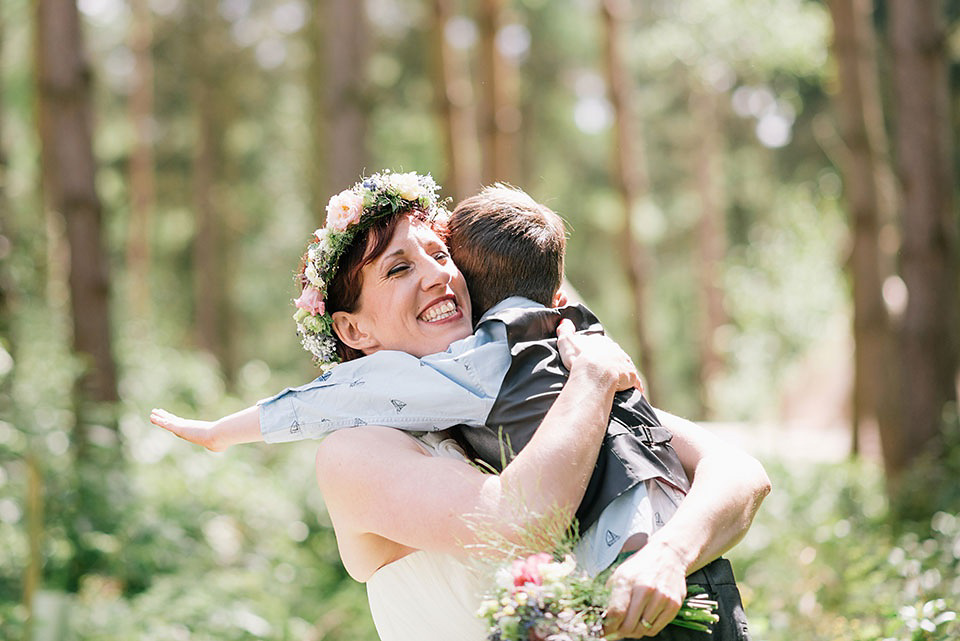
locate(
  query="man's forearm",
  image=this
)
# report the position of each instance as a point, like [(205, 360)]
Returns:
[(727, 487), (724, 496)]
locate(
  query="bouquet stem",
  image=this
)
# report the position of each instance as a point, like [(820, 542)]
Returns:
[(697, 613)]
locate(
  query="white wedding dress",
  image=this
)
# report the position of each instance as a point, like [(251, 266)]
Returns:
[(427, 596)]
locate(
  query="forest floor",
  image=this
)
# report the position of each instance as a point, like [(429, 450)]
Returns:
[(802, 443)]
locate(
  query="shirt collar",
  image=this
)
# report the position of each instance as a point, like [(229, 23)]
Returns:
[(513, 302)]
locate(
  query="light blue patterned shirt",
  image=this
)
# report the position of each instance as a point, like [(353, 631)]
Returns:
[(436, 392), (396, 389)]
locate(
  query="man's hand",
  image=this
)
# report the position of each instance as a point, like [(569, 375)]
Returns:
[(200, 433), (596, 350), (646, 592)]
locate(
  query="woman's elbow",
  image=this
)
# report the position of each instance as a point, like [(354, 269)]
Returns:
[(758, 478), (746, 476)]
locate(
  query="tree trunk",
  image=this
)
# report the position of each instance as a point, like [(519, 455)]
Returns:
[(499, 115), (339, 48), (866, 170), (346, 107), (33, 573), (929, 265), (210, 249), (7, 291), (142, 184), (320, 185), (8, 355), (65, 113), (67, 149), (453, 95), (630, 174), (711, 238)]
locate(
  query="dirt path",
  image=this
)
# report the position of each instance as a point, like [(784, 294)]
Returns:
[(771, 442)]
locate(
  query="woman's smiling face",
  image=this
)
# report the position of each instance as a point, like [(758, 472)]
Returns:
[(413, 298)]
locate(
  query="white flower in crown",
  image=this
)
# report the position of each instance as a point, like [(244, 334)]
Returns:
[(323, 238), (313, 276), (407, 186), (344, 210), (440, 215)]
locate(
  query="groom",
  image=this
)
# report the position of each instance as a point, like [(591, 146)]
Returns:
[(504, 231)]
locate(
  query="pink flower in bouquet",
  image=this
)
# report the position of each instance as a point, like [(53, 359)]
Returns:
[(344, 210), (528, 570), (311, 300)]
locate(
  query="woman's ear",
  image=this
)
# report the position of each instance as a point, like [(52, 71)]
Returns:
[(349, 328)]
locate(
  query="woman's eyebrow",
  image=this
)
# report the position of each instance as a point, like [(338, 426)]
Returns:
[(385, 257)]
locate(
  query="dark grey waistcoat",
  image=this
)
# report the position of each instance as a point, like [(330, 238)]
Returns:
[(635, 448)]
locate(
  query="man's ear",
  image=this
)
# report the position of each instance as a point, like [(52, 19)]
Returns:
[(560, 298), (350, 330)]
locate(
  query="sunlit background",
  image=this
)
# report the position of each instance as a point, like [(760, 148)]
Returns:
[(698, 152)]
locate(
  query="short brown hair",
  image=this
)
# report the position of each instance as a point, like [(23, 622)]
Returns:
[(507, 244)]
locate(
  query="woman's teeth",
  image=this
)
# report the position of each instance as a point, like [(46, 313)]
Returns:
[(443, 309)]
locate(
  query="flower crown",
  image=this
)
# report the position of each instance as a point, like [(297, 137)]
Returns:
[(348, 213)]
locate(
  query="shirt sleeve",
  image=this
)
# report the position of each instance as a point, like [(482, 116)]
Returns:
[(388, 388)]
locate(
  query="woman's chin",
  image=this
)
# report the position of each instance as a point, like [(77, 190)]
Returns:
[(443, 332)]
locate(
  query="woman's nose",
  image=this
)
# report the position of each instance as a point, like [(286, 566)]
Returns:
[(435, 274)]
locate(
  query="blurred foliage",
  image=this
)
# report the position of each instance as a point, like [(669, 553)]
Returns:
[(784, 225), (825, 560), (196, 546), (182, 544), (932, 483)]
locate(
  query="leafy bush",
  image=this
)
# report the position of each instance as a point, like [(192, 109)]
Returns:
[(823, 562), (184, 544)]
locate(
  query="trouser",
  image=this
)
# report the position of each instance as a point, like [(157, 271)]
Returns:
[(716, 578)]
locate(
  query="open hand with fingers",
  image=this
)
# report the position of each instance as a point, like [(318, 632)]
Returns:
[(200, 433)]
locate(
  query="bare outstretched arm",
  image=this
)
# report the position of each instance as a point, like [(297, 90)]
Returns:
[(216, 436)]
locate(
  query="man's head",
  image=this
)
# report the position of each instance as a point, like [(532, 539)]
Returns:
[(507, 244)]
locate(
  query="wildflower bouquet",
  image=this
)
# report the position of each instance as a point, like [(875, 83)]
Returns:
[(538, 598)]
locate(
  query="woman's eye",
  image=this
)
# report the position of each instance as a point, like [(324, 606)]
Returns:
[(398, 269), (441, 256)]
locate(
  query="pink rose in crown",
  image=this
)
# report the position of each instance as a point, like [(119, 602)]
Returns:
[(311, 300), (344, 210), (528, 570)]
